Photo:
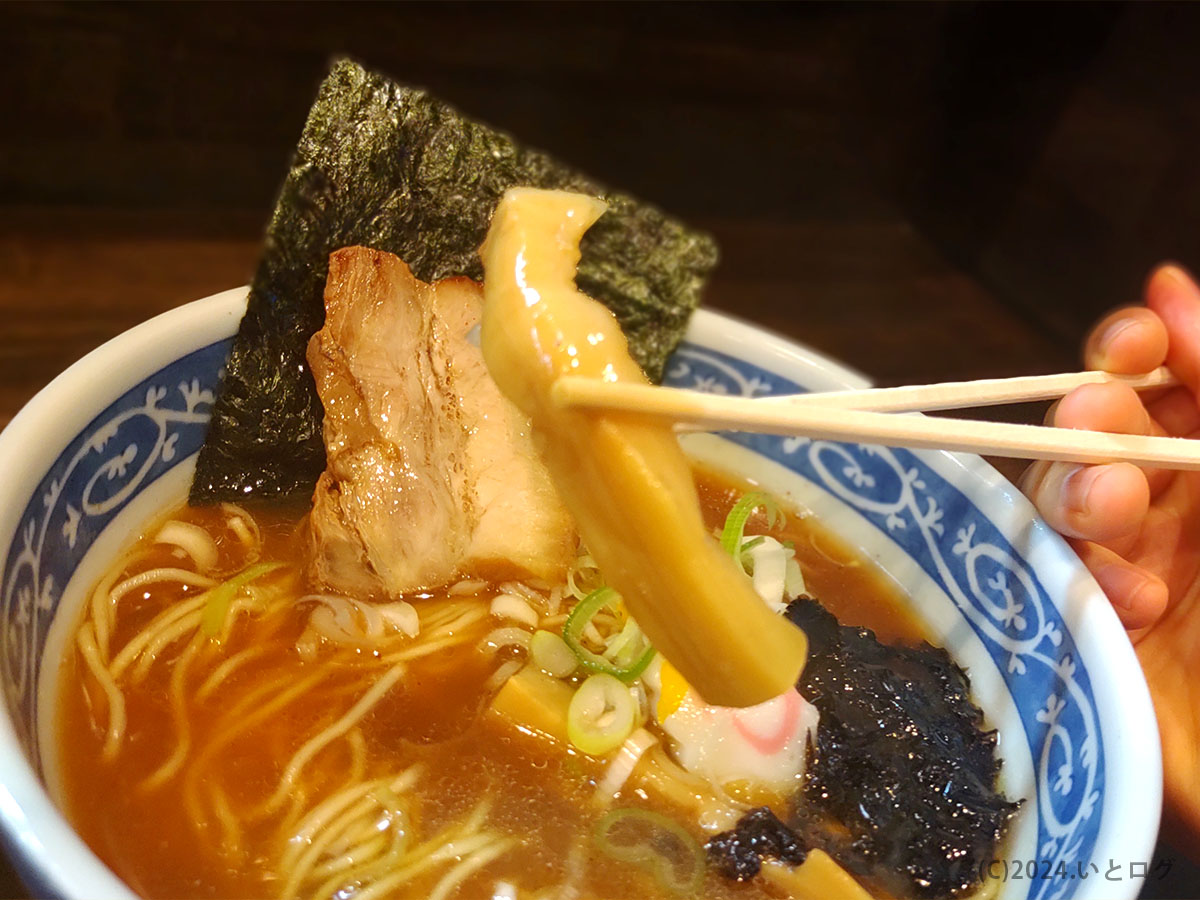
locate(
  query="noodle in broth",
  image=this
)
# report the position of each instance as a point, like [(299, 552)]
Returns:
[(213, 747)]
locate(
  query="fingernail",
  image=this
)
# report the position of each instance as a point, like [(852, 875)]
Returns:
[(1112, 332), (1077, 488), (1171, 278), (1178, 274)]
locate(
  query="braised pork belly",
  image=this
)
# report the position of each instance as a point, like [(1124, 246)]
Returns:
[(432, 474)]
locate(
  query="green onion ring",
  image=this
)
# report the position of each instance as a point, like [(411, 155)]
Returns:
[(735, 522), (577, 623), (602, 715), (644, 852)]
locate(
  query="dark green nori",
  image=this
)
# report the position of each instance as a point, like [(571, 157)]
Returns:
[(901, 762), (737, 854), (392, 168)]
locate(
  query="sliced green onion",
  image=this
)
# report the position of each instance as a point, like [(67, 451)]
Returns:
[(735, 522), (633, 660), (768, 570), (745, 558), (749, 545), (654, 842), (219, 598), (793, 580), (625, 647), (602, 715), (550, 653), (732, 534), (583, 577)]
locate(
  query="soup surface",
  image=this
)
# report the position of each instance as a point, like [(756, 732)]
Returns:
[(255, 761)]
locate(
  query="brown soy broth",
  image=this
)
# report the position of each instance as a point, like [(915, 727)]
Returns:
[(538, 792), (850, 587)]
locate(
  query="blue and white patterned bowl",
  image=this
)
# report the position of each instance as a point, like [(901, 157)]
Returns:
[(113, 438)]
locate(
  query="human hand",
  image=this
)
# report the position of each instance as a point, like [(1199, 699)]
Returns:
[(1138, 530)]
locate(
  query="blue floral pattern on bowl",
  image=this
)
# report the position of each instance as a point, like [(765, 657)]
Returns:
[(144, 433), (162, 421)]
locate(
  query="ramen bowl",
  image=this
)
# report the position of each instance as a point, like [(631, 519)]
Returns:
[(112, 441)]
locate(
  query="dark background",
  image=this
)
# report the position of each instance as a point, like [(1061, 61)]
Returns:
[(927, 192), (924, 191)]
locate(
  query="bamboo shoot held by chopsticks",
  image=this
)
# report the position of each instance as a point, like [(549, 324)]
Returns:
[(625, 480)]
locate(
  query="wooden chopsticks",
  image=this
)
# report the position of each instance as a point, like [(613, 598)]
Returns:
[(959, 394), (866, 416)]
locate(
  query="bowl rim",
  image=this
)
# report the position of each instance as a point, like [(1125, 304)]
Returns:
[(1133, 792), (52, 857)]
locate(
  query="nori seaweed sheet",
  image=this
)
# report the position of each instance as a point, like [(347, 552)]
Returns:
[(389, 167), (902, 762)]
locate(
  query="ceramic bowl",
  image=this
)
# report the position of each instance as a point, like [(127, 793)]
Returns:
[(113, 439)]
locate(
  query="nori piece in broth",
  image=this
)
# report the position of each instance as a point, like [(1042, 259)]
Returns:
[(902, 762), (392, 168), (737, 854)]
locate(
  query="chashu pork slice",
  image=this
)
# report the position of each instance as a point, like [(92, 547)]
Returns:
[(431, 473)]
